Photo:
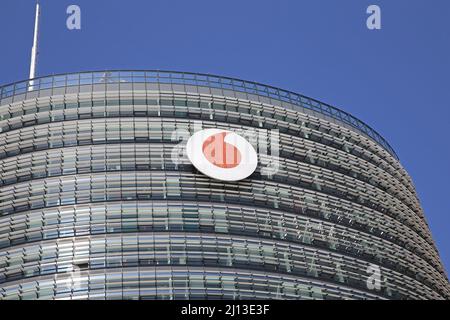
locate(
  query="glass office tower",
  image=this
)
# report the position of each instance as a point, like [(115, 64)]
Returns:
[(97, 200)]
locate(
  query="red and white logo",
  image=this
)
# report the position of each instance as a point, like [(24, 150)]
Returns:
[(221, 154)]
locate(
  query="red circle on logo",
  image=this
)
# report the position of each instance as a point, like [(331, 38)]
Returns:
[(220, 153)]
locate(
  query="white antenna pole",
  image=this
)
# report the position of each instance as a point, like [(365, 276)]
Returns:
[(35, 48)]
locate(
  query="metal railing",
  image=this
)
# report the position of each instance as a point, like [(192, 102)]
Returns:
[(195, 79)]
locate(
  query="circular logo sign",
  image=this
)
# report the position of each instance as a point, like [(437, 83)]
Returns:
[(221, 154)]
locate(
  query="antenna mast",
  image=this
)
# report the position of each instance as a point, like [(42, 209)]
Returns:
[(35, 48)]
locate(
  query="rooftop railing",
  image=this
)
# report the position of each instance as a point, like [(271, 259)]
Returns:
[(195, 79)]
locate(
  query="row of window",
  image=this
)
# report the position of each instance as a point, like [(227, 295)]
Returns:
[(169, 188), (319, 205), (377, 178), (124, 130), (153, 249), (263, 116), (142, 125), (178, 283), (143, 157), (304, 104), (154, 185), (137, 129), (122, 218)]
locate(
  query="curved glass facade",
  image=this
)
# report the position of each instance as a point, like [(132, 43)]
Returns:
[(98, 201)]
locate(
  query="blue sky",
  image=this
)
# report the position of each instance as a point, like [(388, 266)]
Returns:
[(395, 79)]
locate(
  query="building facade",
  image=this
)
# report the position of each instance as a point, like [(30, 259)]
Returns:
[(98, 201)]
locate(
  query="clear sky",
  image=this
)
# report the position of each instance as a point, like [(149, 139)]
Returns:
[(396, 79)]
